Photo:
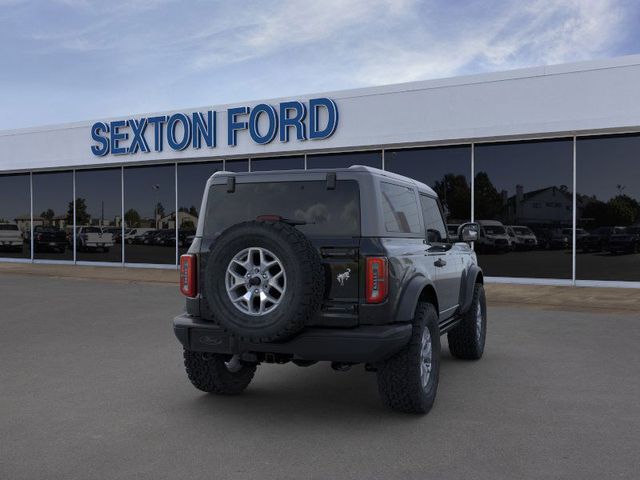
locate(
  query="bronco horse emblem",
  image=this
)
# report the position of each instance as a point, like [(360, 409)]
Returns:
[(343, 277)]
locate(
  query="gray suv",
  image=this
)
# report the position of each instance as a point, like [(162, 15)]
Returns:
[(349, 265)]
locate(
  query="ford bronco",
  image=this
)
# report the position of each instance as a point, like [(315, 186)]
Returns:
[(351, 266)]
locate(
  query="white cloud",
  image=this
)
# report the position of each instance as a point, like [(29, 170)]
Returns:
[(539, 32), (292, 23)]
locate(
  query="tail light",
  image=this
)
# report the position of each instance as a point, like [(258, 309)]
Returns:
[(377, 281), (188, 276)]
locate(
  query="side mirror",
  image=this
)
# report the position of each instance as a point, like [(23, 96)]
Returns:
[(468, 232)]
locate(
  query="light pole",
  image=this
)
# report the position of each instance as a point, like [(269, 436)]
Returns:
[(155, 187)]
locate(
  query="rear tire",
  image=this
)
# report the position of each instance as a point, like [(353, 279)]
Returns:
[(466, 340), (405, 382), (216, 373)]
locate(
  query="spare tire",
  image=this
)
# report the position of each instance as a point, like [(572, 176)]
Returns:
[(263, 281)]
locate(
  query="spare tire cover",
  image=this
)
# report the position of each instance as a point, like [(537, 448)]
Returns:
[(263, 281)]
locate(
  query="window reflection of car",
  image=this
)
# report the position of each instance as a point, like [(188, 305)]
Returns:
[(141, 236), (93, 239), (452, 230), (185, 237), (598, 239), (493, 237), (552, 239), (522, 237), (115, 231), (49, 239), (627, 241), (11, 238), (189, 240), (164, 238)]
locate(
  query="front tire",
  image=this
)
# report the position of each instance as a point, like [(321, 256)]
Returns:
[(216, 373), (467, 339), (408, 381)]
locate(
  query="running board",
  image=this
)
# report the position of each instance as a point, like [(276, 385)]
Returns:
[(449, 323)]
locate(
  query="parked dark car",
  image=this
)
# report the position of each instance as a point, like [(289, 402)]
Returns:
[(49, 239), (185, 238), (627, 241), (552, 239), (165, 238), (598, 239), (146, 238)]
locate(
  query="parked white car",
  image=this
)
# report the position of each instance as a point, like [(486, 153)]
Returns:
[(493, 237), (10, 237), (94, 238), (522, 237)]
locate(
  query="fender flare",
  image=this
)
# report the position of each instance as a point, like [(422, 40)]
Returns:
[(410, 296), (466, 294)]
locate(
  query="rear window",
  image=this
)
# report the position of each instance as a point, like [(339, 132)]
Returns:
[(8, 227), (324, 212)]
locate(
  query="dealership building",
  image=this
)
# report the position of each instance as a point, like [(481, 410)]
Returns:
[(547, 159)]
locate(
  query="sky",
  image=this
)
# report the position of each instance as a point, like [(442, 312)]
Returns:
[(73, 60)]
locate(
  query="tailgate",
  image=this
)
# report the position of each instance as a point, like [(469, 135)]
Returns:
[(342, 281)]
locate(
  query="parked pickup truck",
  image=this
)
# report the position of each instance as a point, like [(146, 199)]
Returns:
[(350, 266), (93, 238), (10, 237), (49, 239)]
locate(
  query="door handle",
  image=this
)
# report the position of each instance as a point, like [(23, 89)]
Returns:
[(440, 263)]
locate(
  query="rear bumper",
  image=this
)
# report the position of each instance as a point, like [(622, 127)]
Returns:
[(359, 345)]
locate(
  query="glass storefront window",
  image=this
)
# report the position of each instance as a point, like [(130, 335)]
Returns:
[(192, 178), (277, 163), (344, 160), (99, 215), (53, 215), (445, 169), (608, 208), (149, 214), (236, 165), (524, 205), (15, 216)]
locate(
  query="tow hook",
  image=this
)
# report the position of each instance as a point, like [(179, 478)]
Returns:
[(341, 366)]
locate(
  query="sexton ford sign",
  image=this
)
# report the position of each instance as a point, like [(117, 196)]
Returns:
[(180, 130)]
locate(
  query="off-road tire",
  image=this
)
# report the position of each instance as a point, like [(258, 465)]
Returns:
[(399, 378), (305, 281), (464, 340), (208, 372)]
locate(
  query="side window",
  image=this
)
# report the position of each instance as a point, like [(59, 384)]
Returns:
[(433, 223), (400, 209)]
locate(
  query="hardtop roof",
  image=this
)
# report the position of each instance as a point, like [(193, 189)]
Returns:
[(354, 168)]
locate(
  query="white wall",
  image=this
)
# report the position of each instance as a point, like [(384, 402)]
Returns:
[(576, 98)]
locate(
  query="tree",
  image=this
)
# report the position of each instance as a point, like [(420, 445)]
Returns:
[(48, 215), (193, 211), (595, 213), (623, 210), (159, 210), (187, 225), (132, 218), (489, 203), (455, 195), (82, 216)]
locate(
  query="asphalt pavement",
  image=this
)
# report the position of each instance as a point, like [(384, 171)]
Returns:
[(92, 387)]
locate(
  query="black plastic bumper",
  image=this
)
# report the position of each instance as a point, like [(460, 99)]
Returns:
[(358, 345)]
